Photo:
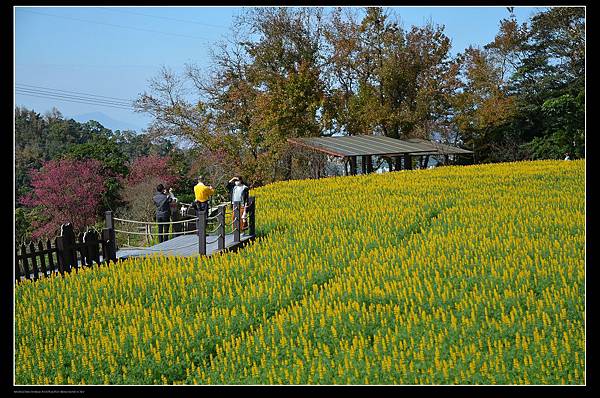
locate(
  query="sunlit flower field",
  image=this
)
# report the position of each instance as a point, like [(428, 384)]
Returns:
[(455, 275)]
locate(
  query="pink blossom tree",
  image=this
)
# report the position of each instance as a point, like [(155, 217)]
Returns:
[(151, 167), (66, 190), (145, 173)]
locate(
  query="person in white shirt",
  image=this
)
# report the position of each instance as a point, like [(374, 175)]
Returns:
[(239, 192)]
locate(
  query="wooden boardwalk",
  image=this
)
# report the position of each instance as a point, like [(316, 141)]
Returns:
[(185, 245), (73, 252)]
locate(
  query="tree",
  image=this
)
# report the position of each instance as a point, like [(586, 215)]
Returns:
[(388, 81), (260, 93), (145, 173), (550, 81), (102, 147), (151, 166), (139, 200), (41, 138), (30, 132), (485, 107), (68, 191)]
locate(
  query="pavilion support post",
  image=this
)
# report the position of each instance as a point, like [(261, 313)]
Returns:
[(390, 162), (397, 163), (369, 161), (364, 164), (353, 166), (407, 161)]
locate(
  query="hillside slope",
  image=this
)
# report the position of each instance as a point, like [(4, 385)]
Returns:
[(468, 275)]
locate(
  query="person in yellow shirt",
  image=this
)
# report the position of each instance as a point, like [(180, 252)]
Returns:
[(202, 193)]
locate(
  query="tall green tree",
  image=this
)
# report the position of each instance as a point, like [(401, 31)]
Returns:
[(551, 83), (264, 89), (386, 80)]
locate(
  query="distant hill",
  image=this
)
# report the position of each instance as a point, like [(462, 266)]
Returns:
[(106, 121)]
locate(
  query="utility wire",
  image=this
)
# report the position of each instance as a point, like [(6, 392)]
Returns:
[(100, 101), (72, 100), (160, 17), (61, 95), (70, 92), (115, 25)]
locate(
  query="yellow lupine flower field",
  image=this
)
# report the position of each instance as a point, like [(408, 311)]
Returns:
[(455, 275)]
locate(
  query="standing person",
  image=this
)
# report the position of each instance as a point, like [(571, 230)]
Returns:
[(239, 192), (174, 216), (202, 193), (162, 202)]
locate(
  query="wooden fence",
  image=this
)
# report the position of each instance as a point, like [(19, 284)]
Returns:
[(39, 260), (201, 222)]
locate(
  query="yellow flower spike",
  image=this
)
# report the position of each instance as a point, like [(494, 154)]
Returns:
[(468, 265)]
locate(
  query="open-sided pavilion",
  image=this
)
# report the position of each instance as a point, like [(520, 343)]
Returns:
[(350, 148)]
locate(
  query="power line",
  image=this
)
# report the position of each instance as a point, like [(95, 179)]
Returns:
[(70, 92), (60, 95), (156, 16), (115, 25), (72, 100), (68, 99)]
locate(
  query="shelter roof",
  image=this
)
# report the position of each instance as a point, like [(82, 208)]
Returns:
[(363, 145)]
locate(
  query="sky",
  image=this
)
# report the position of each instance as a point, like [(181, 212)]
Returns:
[(111, 53)]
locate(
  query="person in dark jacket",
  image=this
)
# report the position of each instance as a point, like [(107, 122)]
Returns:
[(162, 202), (239, 197)]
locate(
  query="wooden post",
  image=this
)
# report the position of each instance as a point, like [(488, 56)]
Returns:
[(90, 238), (201, 227), (397, 163), (42, 258), (407, 161), (369, 161), (109, 237), (24, 261), (51, 265), (33, 261), (221, 220), (110, 222), (363, 165), (236, 223), (82, 252), (64, 244), (353, 165), (251, 219), (17, 268)]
